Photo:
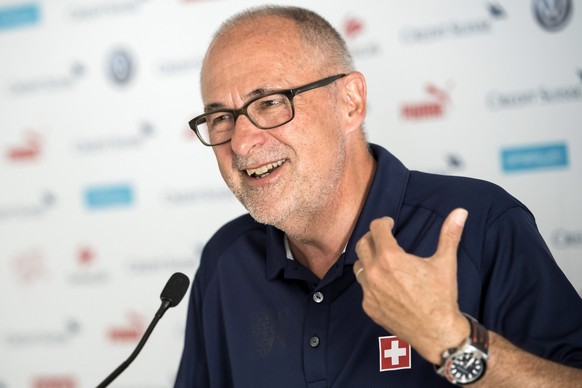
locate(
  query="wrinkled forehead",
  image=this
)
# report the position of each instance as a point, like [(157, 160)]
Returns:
[(264, 45)]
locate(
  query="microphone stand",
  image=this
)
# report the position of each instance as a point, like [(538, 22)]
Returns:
[(166, 304)]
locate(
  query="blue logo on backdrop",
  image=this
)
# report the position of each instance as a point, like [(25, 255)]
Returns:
[(100, 197), (20, 15), (552, 14), (534, 157)]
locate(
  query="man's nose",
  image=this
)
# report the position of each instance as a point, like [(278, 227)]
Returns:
[(245, 136)]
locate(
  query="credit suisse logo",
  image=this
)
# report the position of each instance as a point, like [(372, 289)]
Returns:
[(352, 27), (116, 142), (167, 262), (67, 79), (28, 209), (359, 42), (19, 16), (108, 196), (94, 10), (434, 105), (87, 271), (534, 157), (451, 163), (44, 337), (188, 196), (184, 65), (454, 28), (534, 96)]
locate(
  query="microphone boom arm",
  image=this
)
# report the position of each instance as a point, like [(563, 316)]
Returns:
[(172, 294), (164, 306)]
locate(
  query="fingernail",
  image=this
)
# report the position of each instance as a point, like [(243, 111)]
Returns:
[(460, 217)]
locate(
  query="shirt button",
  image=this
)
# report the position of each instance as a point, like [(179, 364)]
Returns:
[(318, 297), (314, 341)]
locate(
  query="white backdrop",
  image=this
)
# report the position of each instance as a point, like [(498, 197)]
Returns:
[(104, 191)]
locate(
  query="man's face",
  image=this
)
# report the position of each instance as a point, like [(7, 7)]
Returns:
[(286, 174)]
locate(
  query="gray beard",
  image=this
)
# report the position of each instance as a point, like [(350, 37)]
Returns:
[(300, 214)]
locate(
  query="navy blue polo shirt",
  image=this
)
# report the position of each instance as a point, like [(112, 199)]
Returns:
[(257, 319)]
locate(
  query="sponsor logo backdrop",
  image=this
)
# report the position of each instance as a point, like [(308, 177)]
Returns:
[(105, 192)]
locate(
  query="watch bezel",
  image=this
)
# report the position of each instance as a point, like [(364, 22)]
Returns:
[(453, 360)]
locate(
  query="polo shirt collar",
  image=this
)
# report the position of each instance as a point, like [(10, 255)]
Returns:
[(384, 199)]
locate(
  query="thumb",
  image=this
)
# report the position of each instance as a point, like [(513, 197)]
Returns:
[(451, 232)]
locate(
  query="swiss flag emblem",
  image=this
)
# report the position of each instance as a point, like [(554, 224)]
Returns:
[(394, 354)]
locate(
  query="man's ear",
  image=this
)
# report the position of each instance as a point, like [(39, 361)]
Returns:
[(355, 94)]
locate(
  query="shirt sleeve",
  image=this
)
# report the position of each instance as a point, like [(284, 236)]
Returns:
[(528, 299)]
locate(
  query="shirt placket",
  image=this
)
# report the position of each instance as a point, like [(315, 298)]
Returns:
[(315, 336)]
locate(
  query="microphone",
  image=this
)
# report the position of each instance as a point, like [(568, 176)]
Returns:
[(171, 295)]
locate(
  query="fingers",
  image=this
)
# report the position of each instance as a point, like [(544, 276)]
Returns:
[(365, 248), (381, 232), (358, 271), (451, 232), (378, 238)]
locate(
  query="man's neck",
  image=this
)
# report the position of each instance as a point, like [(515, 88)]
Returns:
[(318, 242)]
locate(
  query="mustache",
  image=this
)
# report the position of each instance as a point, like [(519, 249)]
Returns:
[(258, 158)]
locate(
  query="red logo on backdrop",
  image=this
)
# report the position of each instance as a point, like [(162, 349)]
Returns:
[(435, 107), (353, 27), (30, 267), (394, 354), (129, 333), (54, 382), (28, 150), (85, 256)]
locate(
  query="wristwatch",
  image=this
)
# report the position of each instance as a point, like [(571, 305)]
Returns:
[(467, 363)]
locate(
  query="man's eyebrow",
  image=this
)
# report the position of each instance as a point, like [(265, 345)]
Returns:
[(259, 92), (213, 106)]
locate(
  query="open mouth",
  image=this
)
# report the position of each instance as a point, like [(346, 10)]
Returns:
[(265, 170)]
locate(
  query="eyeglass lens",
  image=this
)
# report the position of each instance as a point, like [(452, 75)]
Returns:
[(266, 112)]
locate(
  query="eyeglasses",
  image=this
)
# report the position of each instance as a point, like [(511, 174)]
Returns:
[(265, 112)]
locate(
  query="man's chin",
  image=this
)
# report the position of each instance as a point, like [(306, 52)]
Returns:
[(268, 215), (263, 208), (264, 216)]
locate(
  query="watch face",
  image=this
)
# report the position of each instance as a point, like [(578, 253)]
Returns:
[(464, 368)]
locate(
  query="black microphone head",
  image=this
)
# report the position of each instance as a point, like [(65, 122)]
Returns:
[(175, 289)]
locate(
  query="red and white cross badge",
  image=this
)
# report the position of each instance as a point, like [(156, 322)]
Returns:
[(394, 354)]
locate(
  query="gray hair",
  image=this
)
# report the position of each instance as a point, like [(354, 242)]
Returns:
[(314, 30)]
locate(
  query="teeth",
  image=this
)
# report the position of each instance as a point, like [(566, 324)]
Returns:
[(264, 169)]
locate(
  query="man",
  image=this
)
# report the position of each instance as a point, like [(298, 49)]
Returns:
[(336, 224)]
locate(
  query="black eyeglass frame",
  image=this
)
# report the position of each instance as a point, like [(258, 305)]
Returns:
[(289, 93)]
